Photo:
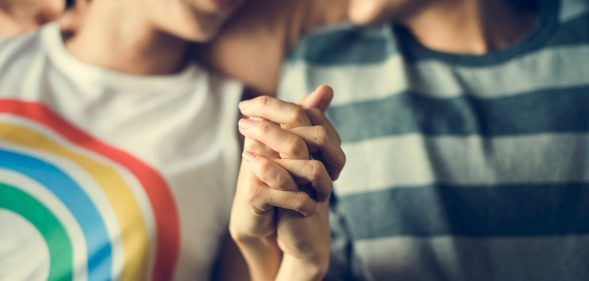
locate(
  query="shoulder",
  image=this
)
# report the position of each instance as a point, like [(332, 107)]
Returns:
[(255, 42), (20, 47), (345, 44), (20, 59), (572, 28), (572, 9)]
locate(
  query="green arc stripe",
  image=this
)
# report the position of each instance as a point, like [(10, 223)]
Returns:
[(58, 242)]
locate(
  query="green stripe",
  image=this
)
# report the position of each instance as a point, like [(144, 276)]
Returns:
[(58, 242)]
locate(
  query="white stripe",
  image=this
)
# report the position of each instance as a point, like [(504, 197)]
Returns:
[(546, 69), (92, 190), (571, 9), (51, 202), (22, 243), (457, 258), (136, 189), (293, 82), (414, 160)]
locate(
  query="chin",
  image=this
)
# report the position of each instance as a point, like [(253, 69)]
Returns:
[(200, 37), (363, 16), (199, 31), (364, 12)]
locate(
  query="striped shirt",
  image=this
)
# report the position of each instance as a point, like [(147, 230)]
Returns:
[(459, 167)]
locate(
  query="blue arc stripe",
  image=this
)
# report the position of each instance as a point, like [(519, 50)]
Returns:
[(545, 111), (78, 203), (469, 211)]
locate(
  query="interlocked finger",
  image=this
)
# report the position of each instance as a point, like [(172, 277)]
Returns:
[(269, 172), (286, 143), (265, 197), (275, 110), (311, 172), (320, 141)]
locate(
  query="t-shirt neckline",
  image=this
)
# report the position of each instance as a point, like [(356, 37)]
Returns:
[(98, 76), (548, 11)]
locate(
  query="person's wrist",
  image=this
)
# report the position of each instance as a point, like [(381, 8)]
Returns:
[(252, 241), (294, 268), (261, 255)]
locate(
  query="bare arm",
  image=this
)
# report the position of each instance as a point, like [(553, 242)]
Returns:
[(256, 41)]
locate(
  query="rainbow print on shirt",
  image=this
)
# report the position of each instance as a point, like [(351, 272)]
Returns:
[(99, 213)]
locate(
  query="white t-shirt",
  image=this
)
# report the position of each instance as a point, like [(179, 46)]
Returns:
[(109, 176)]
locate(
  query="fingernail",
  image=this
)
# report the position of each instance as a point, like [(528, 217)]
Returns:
[(249, 156), (245, 124), (244, 105)]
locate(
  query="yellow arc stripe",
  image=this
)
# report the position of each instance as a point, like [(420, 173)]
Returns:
[(119, 194)]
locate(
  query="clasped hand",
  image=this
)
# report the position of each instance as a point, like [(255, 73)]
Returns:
[(280, 212)]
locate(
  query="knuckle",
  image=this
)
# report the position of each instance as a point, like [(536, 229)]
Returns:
[(302, 203), (344, 159), (316, 169), (263, 200), (297, 147), (265, 168), (237, 233), (280, 181), (329, 187), (320, 135), (264, 100), (299, 116), (265, 127)]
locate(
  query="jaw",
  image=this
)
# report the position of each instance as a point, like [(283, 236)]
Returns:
[(364, 12)]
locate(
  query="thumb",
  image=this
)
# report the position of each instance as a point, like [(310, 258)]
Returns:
[(320, 98)]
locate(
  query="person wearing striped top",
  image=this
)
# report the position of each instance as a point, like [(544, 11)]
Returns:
[(464, 124), (460, 165)]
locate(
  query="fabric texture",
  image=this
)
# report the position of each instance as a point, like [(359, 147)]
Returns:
[(458, 167), (109, 176)]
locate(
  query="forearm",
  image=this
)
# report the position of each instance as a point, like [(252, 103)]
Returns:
[(262, 256), (270, 203), (293, 269)]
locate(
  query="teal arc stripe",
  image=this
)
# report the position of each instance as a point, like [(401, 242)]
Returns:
[(562, 110), (55, 236), (78, 203), (469, 211)]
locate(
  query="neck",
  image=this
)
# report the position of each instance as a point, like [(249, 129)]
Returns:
[(118, 36), (469, 26), (19, 16)]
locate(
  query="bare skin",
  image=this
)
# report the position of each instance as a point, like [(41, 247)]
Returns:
[(286, 224), (148, 37), (21, 16), (153, 39), (490, 26), (253, 47)]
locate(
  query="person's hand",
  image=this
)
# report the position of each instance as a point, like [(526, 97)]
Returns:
[(267, 182)]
